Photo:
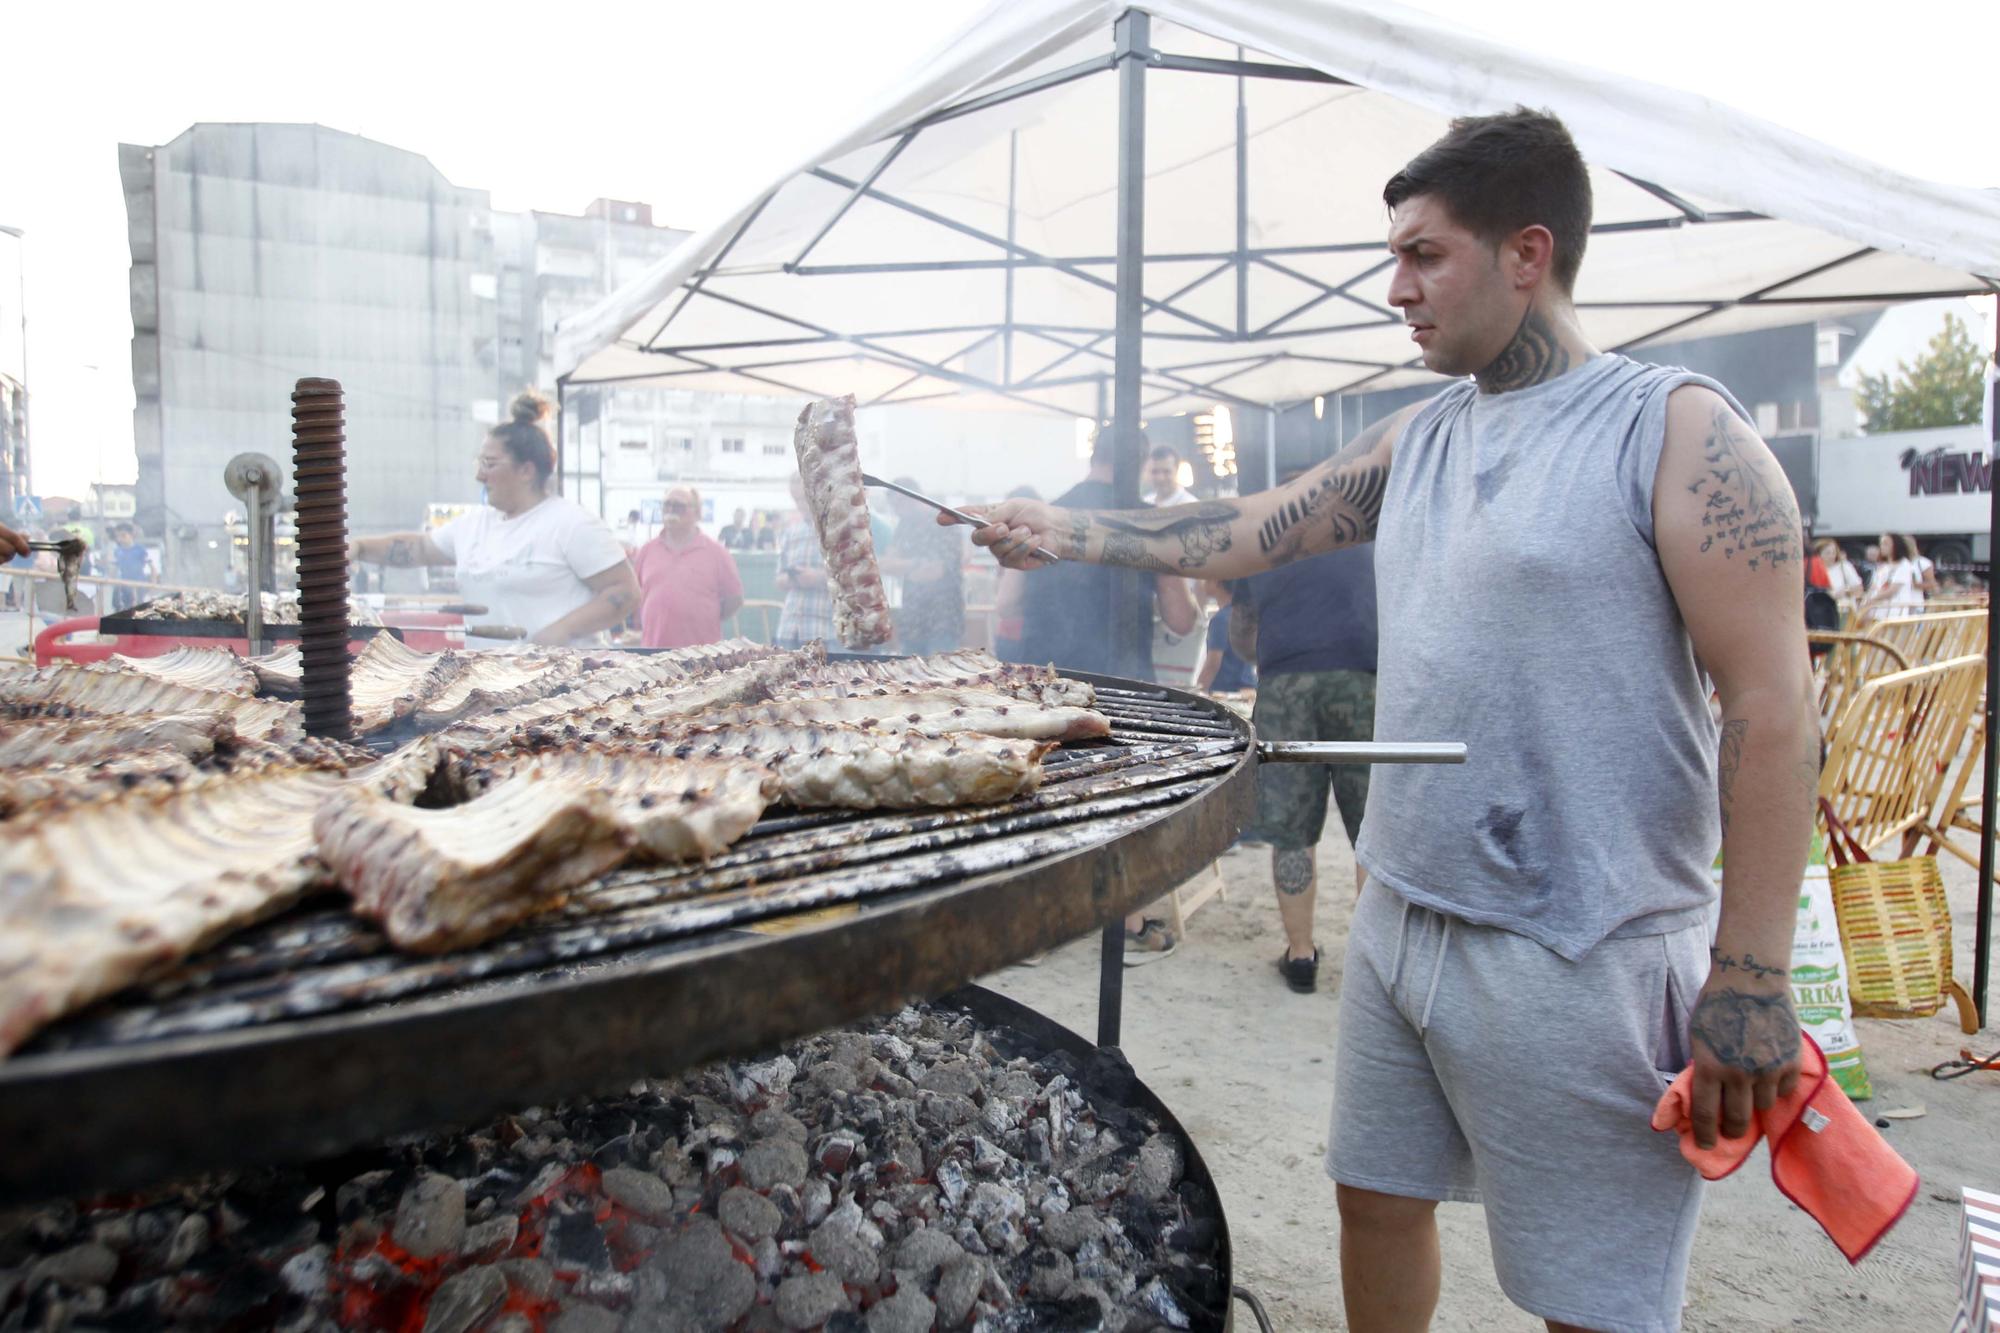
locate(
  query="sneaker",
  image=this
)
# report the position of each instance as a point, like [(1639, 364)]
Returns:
[(1301, 974), (1153, 941)]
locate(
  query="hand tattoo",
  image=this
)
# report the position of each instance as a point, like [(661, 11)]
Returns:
[(1757, 1034), (1535, 356), (1746, 512)]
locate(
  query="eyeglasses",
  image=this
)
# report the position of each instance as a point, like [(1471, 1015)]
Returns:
[(676, 506)]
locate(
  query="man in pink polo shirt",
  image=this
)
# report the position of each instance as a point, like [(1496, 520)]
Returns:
[(688, 583)]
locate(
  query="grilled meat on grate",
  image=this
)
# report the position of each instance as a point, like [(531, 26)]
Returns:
[(197, 668), (967, 668), (935, 713), (59, 691), (100, 895)]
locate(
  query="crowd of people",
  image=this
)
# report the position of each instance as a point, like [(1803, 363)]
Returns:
[(1894, 578)]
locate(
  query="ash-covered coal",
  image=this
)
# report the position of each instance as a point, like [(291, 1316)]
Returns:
[(924, 1174)]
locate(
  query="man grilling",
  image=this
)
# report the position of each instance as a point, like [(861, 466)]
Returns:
[(1569, 547)]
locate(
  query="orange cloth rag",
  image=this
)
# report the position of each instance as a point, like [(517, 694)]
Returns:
[(1825, 1156)]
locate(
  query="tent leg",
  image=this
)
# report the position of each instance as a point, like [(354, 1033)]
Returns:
[(1271, 449), (1982, 947), (562, 426), (1132, 591)]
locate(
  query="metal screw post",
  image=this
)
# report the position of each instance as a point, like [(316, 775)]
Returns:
[(319, 480)]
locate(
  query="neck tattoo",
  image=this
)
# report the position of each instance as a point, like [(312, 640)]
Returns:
[(1535, 356)]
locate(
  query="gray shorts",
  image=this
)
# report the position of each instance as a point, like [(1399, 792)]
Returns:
[(1476, 1065)]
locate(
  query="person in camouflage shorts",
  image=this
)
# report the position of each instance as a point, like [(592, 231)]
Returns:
[(1312, 706), (1310, 627)]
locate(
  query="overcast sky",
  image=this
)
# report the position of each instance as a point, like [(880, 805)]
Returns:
[(692, 106)]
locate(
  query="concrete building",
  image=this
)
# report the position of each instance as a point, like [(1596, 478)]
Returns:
[(265, 253), (16, 480)]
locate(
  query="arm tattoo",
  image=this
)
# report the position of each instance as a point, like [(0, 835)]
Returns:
[(1722, 962), (1079, 536), (1744, 513), (1754, 1033), (618, 599), (1728, 761), (1124, 548), (1293, 871), (401, 553), (1200, 530), (1535, 356), (1344, 494)]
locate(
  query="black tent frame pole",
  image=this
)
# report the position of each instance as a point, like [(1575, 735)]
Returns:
[(1131, 590), (1982, 926)]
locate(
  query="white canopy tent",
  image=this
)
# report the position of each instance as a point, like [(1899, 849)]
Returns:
[(1116, 213), (963, 239)]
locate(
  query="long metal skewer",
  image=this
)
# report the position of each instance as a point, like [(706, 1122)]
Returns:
[(1041, 552)]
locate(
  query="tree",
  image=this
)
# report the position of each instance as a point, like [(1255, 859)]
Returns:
[(1943, 388)]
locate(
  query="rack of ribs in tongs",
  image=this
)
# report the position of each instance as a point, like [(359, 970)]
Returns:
[(830, 465)]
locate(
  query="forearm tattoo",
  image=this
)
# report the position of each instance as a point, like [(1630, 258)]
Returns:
[(1293, 871), (1746, 511), (1757, 1034), (402, 553), (1143, 539), (1728, 762), (1535, 356)]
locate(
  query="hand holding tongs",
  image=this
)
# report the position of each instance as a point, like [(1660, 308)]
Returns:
[(972, 519), (69, 563)]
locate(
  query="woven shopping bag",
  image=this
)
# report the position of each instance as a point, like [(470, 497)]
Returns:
[(1895, 927)]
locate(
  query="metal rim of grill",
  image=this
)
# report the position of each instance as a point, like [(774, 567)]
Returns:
[(308, 1034)]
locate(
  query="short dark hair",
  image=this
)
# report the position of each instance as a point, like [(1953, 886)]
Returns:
[(1497, 174), (1163, 451)]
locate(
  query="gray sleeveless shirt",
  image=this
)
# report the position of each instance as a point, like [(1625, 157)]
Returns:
[(1524, 612)]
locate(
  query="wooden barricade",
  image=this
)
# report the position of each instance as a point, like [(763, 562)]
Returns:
[(1892, 748), (1933, 636), (1959, 811), (1851, 660)]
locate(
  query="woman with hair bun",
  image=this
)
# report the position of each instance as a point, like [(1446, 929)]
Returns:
[(532, 559)]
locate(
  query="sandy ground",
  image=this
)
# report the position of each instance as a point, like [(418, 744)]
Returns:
[(1248, 1067)]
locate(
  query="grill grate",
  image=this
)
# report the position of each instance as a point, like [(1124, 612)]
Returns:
[(307, 1034)]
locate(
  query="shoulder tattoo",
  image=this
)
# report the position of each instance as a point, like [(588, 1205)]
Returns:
[(1747, 513)]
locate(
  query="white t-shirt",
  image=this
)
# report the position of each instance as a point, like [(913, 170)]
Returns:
[(1842, 578), (528, 570), (1906, 596)]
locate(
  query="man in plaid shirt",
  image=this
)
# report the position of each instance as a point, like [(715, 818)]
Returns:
[(808, 610)]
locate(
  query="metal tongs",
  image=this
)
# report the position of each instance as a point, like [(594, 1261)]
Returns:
[(69, 563), (1041, 552)]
